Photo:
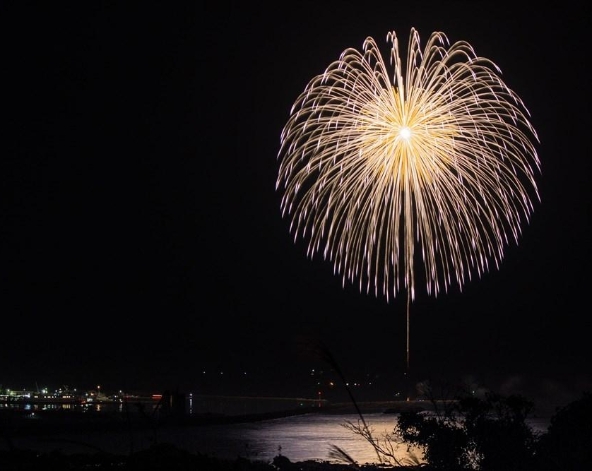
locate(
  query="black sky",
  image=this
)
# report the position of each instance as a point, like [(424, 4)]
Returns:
[(141, 240)]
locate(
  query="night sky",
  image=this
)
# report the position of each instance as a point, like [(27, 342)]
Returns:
[(141, 240)]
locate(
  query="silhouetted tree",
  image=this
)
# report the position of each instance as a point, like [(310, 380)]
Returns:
[(499, 435), (567, 445), (489, 434)]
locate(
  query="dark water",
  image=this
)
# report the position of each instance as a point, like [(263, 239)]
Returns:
[(303, 437), (300, 438)]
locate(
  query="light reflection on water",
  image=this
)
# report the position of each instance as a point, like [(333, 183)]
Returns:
[(299, 438), (304, 437), (37, 407)]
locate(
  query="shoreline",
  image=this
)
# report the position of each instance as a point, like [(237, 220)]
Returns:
[(40, 420)]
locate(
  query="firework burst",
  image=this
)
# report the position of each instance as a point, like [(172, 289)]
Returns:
[(424, 172)]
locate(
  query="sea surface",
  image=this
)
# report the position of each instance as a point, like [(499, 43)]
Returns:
[(304, 437)]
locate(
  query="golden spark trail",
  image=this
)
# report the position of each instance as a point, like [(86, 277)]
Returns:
[(439, 161)]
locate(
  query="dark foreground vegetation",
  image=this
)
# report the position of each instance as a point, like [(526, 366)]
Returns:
[(467, 433)]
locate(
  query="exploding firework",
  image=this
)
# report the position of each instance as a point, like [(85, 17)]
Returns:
[(428, 173)]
